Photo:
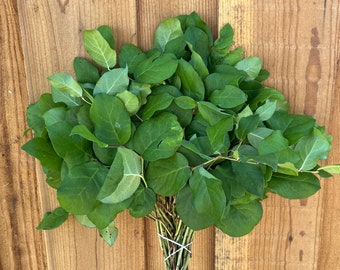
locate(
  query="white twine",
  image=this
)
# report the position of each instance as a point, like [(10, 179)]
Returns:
[(178, 244)]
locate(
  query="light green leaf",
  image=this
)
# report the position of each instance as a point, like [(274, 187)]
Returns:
[(84, 132), (99, 49), (65, 83), (273, 143), (131, 101), (109, 234), (287, 168), (332, 169), (168, 176), (112, 124), (112, 82), (251, 65), (141, 91), (192, 84), (311, 149), (158, 137), (85, 221), (258, 135), (228, 97), (294, 187), (185, 102), (123, 178), (168, 30), (266, 110), (62, 96)]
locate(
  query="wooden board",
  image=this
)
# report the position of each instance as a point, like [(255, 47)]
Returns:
[(299, 43)]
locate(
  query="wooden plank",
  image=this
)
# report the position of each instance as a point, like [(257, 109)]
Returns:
[(21, 246), (299, 43), (51, 32), (150, 14)]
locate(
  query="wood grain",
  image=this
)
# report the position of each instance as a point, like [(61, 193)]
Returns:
[(299, 43), (20, 244)]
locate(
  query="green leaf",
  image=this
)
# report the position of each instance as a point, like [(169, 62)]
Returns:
[(123, 178), (109, 234), (80, 186), (198, 63), (85, 71), (331, 169), (258, 135), (228, 97), (210, 112), (112, 82), (250, 176), (294, 187), (216, 81), (62, 96), (104, 155), (168, 30), (167, 177), (247, 125), (65, 83), (192, 153), (199, 41), (188, 213), (131, 101), (104, 214), (143, 202), (99, 49), (141, 91), (266, 110), (195, 20), (130, 56), (84, 132), (52, 220), (156, 103), (241, 218), (208, 197), (112, 124), (287, 168), (273, 143), (311, 149), (84, 220), (251, 65), (159, 137), (156, 68), (185, 102), (192, 84), (107, 34), (218, 134), (54, 115)]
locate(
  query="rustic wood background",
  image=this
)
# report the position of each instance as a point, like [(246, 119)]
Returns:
[(299, 42)]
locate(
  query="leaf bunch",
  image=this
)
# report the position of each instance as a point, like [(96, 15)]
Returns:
[(189, 119)]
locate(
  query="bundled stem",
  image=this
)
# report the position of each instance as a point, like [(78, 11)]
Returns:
[(174, 236)]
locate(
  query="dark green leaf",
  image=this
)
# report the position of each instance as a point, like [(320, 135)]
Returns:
[(85, 71), (143, 202), (195, 20), (188, 213), (247, 125), (192, 154), (210, 112), (216, 81), (192, 84), (111, 120), (240, 219), (80, 186), (83, 131), (52, 220), (156, 103), (130, 56), (156, 68), (294, 187), (273, 143), (199, 41), (107, 34), (228, 97), (168, 176), (158, 137), (198, 63), (208, 197), (250, 176), (258, 135), (218, 134)]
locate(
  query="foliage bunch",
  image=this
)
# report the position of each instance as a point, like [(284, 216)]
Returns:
[(184, 133)]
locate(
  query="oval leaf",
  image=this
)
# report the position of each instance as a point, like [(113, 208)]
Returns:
[(65, 83)]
